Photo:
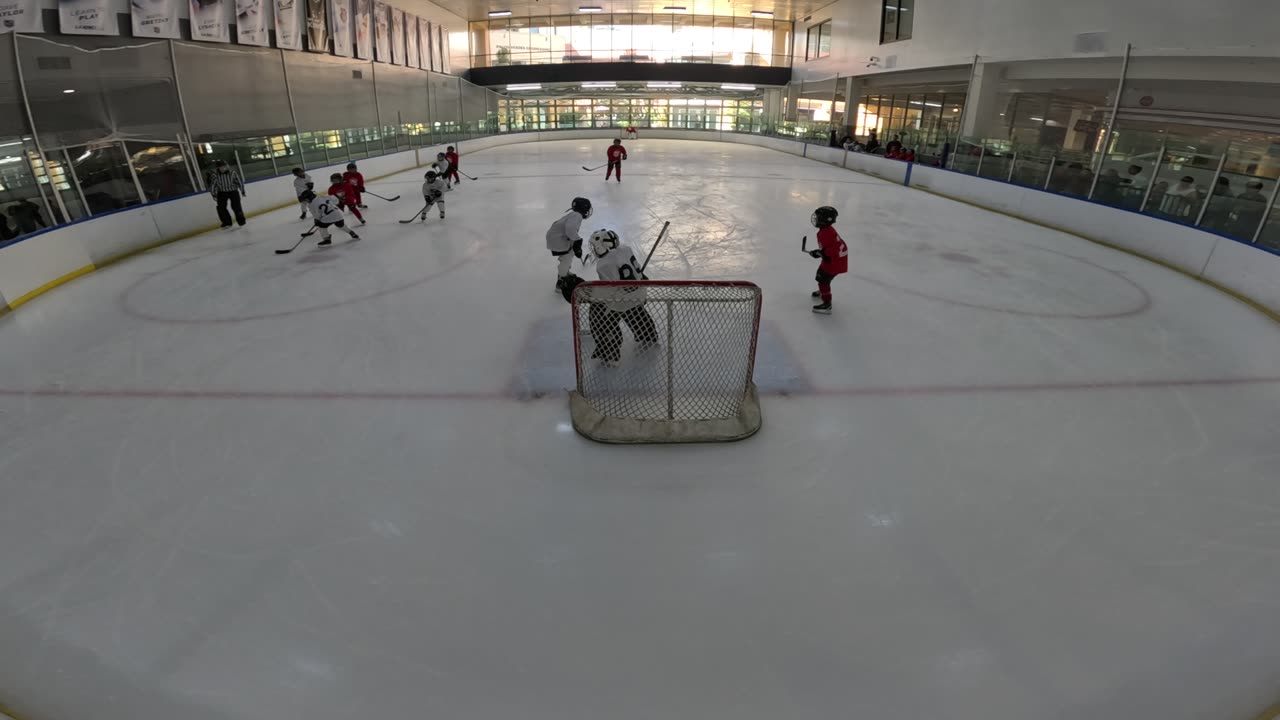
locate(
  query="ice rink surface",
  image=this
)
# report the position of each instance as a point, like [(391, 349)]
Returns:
[(1015, 475)]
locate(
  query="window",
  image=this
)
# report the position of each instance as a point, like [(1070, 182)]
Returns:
[(896, 21), (818, 41)]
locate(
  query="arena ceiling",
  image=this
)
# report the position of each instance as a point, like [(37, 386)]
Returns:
[(781, 9)]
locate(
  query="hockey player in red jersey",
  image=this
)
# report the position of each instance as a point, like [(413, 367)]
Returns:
[(617, 154), (356, 181), (833, 253), (452, 156), (346, 195)]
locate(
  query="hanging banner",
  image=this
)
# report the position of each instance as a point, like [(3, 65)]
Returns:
[(86, 17), (364, 37), (424, 44), (411, 40), (382, 31), (208, 22), (155, 18), (251, 22), (20, 16), (442, 44), (397, 36), (317, 26), (429, 47), (288, 29), (340, 26)]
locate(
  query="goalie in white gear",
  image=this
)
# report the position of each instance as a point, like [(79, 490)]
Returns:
[(326, 212), (617, 262), (433, 191)]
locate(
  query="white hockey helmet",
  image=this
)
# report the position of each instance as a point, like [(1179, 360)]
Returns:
[(602, 241)]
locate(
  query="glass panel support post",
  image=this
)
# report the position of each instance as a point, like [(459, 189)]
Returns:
[(1266, 216), (1155, 175), (1208, 198), (1048, 177)]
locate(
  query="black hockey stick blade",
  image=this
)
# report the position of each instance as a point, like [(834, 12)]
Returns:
[(661, 235), (804, 242), (584, 167), (305, 235), (465, 175), (388, 199), (415, 215)]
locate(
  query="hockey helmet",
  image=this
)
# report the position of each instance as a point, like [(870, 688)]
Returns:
[(336, 177), (299, 172), (582, 206), (823, 216), (439, 156), (602, 241), (351, 166), (431, 175)]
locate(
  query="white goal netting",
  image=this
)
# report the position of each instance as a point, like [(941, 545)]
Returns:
[(665, 361)]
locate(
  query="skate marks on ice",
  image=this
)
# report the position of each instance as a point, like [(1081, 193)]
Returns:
[(545, 367), (307, 281)]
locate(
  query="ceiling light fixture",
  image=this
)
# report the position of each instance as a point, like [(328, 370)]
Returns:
[(675, 8), (68, 91), (499, 13), (524, 86), (761, 13), (663, 84), (590, 8), (607, 84), (734, 86)]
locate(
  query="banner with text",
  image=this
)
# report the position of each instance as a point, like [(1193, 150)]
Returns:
[(155, 18), (340, 26), (288, 29), (382, 31), (251, 22), (86, 17), (20, 16), (397, 36), (411, 40), (364, 36), (209, 21), (317, 26)]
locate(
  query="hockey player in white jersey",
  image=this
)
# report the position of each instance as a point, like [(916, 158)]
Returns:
[(433, 191), (301, 183), (617, 262), (443, 168), (563, 238), (326, 213)]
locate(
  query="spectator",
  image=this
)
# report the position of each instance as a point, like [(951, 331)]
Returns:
[(1108, 190), (895, 145), (1180, 200), (909, 155), (26, 216), (6, 233), (847, 141), (1077, 180), (833, 142), (1136, 180), (225, 186), (872, 141), (1186, 188), (1223, 188), (1248, 210), (1158, 192)]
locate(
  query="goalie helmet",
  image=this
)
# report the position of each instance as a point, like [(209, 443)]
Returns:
[(823, 216), (336, 177), (602, 241), (582, 206)]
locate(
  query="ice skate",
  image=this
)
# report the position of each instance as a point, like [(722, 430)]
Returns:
[(823, 309)]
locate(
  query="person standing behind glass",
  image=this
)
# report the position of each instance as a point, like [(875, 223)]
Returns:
[(1249, 207), (226, 187)]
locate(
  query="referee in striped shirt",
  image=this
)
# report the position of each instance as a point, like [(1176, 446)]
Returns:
[(225, 186)]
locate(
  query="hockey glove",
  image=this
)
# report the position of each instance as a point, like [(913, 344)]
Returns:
[(815, 253), (577, 248)]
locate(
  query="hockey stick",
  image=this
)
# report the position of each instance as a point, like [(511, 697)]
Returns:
[(584, 167), (305, 235), (465, 175), (661, 235), (388, 199), (416, 215)]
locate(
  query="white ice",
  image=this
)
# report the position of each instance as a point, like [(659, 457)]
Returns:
[(1015, 475)]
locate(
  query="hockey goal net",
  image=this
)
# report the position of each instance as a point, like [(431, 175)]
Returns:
[(665, 362)]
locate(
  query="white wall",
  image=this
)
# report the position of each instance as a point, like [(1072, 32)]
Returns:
[(29, 265), (953, 32)]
